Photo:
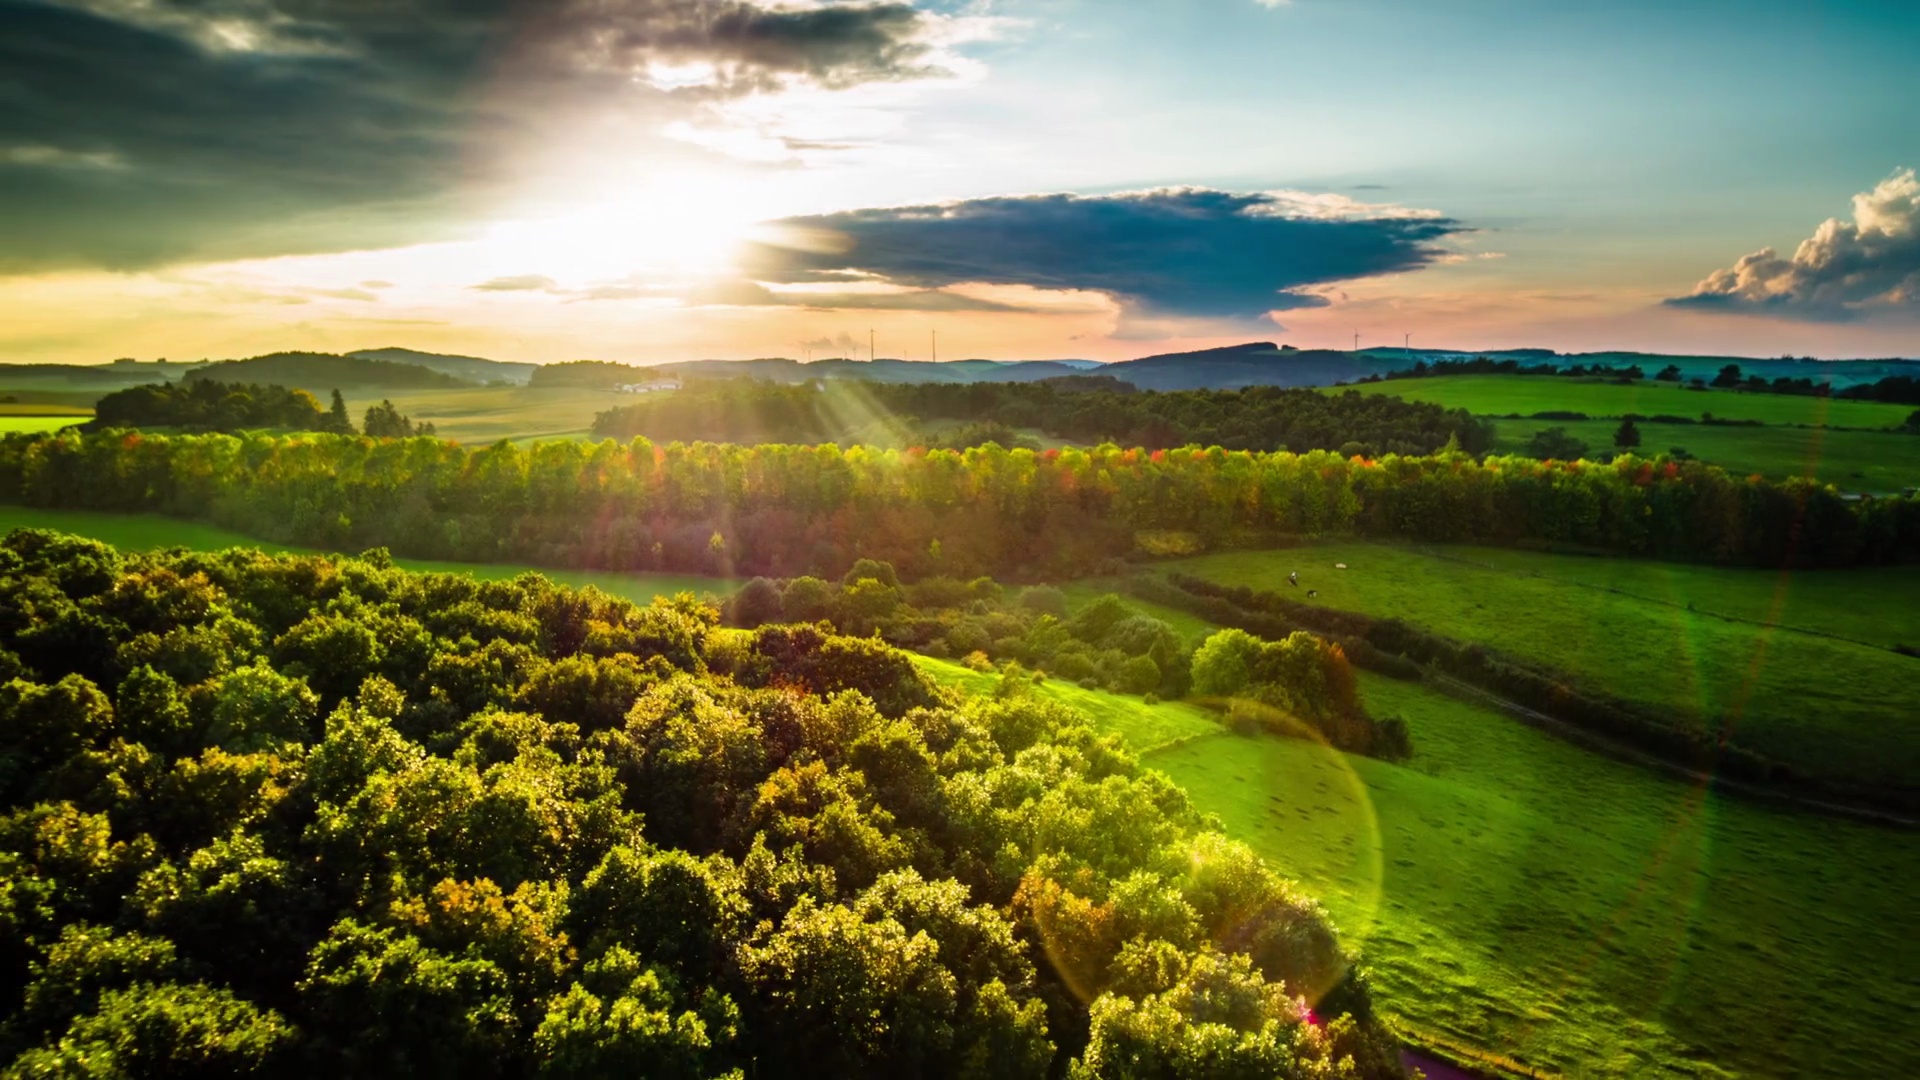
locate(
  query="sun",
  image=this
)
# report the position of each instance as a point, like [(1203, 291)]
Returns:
[(678, 227)]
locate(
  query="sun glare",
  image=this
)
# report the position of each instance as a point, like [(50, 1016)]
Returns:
[(686, 226)]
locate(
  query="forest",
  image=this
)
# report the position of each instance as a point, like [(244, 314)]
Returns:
[(204, 405), (298, 815), (781, 510), (211, 405), (1080, 408)]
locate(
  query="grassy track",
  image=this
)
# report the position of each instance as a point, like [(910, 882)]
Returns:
[(1500, 395), (1584, 916), (1752, 649), (1876, 461), (146, 532)]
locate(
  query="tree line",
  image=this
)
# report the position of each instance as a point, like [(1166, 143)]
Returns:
[(1085, 409), (211, 405), (297, 816), (780, 510), (1106, 645)]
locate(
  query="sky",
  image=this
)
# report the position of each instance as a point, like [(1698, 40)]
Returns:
[(656, 180)]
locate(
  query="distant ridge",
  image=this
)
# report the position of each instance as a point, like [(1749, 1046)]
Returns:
[(470, 368), (322, 372), (1259, 363)]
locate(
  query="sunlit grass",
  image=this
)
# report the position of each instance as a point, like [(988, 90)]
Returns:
[(1499, 395), (1584, 915), (1699, 641), (1874, 461), (42, 422)]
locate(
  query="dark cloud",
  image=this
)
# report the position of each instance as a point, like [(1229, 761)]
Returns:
[(1845, 270), (1174, 253), (138, 132), (741, 293)]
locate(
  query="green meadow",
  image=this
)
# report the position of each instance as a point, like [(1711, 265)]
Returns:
[(1588, 917), (44, 421), (1876, 461), (148, 532), (1501, 395), (1800, 664), (486, 414)]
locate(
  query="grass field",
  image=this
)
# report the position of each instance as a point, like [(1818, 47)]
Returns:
[(1875, 461), (1514, 894), (1583, 916), (147, 532), (41, 422), (1500, 395), (487, 414), (1705, 642)]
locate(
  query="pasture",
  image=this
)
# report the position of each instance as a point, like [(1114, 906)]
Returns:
[(149, 532), (487, 414), (37, 422), (1502, 395), (1873, 461), (1517, 898), (1799, 665), (1581, 916)]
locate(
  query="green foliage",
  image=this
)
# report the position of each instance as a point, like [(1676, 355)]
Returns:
[(1628, 435), (385, 422), (1554, 444), (206, 405), (425, 825), (643, 507)]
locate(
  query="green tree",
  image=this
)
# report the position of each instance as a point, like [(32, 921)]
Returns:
[(338, 421), (1554, 444), (1223, 664), (1627, 436)]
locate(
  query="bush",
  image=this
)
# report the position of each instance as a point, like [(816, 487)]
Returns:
[(1044, 600)]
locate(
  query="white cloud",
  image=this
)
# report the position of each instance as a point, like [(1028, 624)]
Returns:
[(1844, 270)]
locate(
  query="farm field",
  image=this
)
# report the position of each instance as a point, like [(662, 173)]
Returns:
[(1500, 395), (1752, 647), (147, 532), (1586, 916), (45, 421), (1873, 461), (488, 414)]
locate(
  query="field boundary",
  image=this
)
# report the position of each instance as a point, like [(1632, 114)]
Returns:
[(1461, 690), (1632, 731)]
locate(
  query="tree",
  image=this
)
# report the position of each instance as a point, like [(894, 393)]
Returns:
[(1554, 444), (384, 421), (1670, 373), (1729, 377), (338, 421), (1628, 436), (1223, 664)]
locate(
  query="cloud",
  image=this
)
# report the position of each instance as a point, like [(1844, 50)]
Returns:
[(1845, 270), (519, 283), (1174, 253), (135, 133)]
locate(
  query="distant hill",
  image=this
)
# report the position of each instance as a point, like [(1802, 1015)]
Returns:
[(321, 372), (470, 368), (1260, 363), (882, 370)]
